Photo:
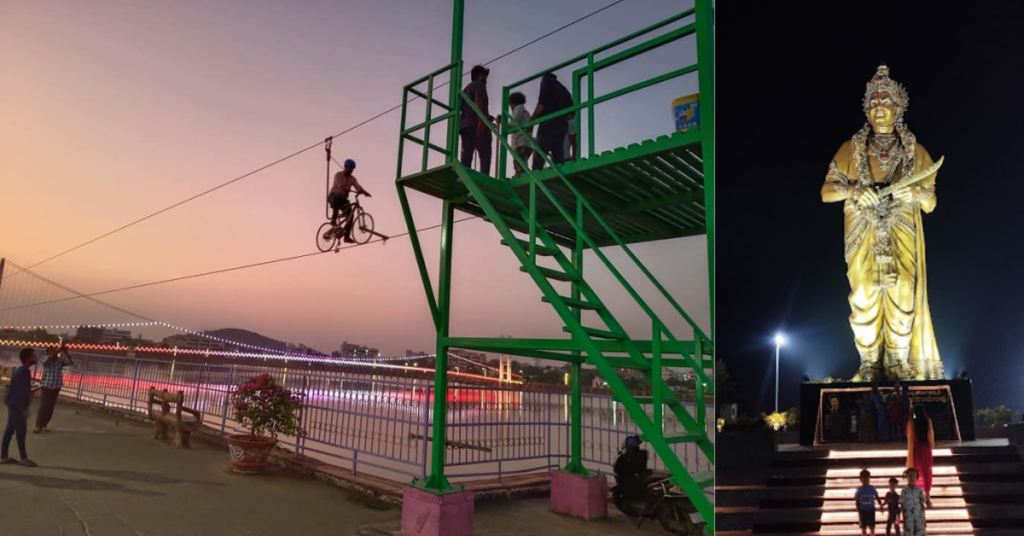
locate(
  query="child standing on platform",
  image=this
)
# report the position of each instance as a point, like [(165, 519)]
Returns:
[(892, 503)]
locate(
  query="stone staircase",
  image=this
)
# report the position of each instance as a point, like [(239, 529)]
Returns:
[(978, 488)]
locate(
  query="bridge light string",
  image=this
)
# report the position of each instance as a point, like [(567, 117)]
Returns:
[(332, 359), (301, 151), (314, 359)]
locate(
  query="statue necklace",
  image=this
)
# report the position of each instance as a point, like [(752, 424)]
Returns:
[(888, 154)]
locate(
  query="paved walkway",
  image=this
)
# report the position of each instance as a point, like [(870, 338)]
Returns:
[(100, 476)]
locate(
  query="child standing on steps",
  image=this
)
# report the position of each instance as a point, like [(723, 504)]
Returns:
[(892, 503), (913, 501), (866, 497)]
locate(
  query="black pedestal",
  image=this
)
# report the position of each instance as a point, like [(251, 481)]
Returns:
[(825, 409)]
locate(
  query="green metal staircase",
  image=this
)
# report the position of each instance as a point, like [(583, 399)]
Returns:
[(490, 194)]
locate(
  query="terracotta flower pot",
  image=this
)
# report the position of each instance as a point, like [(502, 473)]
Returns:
[(249, 454)]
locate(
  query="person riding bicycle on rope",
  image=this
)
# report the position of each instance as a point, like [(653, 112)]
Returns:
[(344, 182)]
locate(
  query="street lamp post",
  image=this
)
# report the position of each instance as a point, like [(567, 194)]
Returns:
[(779, 341)]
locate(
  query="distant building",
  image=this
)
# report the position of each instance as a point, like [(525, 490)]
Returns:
[(410, 353), (103, 335), (355, 351), (188, 341)]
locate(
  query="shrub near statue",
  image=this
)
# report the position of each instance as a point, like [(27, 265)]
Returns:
[(266, 409)]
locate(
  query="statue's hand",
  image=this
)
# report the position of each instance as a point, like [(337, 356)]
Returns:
[(865, 196), (905, 194), (888, 280)]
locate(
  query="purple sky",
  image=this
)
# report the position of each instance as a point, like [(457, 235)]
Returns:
[(112, 110)]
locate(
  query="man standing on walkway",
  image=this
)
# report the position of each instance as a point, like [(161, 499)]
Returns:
[(18, 399), (53, 380)]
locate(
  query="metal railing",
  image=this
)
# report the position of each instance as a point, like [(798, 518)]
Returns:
[(377, 424)]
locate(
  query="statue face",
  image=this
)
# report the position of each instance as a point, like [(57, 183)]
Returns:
[(882, 111)]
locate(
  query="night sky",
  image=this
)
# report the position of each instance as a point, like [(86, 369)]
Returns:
[(789, 87)]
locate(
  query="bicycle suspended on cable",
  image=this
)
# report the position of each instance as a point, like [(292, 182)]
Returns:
[(329, 235), (355, 222)]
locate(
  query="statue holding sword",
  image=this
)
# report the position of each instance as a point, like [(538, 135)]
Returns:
[(886, 180)]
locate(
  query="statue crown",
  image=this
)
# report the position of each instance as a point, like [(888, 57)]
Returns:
[(882, 82)]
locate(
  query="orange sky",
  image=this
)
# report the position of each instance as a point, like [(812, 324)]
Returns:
[(114, 110)]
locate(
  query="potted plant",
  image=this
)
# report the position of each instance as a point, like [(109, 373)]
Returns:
[(267, 409)]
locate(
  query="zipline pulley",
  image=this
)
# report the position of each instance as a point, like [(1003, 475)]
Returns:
[(327, 192)]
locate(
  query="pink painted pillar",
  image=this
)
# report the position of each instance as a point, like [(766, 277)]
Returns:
[(579, 496), (428, 514)]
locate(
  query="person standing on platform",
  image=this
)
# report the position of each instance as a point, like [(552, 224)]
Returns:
[(897, 414), (920, 442), (881, 414), (520, 142), (868, 431), (554, 97), (52, 382), (475, 136)]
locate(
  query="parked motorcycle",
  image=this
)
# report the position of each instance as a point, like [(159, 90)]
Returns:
[(645, 494)]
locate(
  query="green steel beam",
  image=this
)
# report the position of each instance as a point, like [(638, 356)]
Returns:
[(609, 159), (525, 352), (646, 46), (594, 101), (564, 345), (650, 237), (418, 253), (606, 46), (458, 18), (437, 480), (429, 122), (437, 148), (424, 78), (706, 83), (575, 465), (655, 203), (424, 96)]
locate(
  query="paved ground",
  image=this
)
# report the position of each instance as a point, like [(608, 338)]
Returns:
[(99, 476)]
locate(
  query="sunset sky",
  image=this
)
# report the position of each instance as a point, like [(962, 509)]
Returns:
[(113, 110)]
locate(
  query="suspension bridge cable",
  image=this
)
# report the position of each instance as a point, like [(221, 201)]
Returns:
[(225, 270), (79, 294), (301, 151)]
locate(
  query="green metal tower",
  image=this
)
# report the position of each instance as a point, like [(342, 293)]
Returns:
[(655, 190)]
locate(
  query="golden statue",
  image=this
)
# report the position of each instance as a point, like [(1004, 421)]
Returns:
[(886, 180)]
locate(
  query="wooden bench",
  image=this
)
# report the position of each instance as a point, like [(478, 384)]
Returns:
[(168, 418)]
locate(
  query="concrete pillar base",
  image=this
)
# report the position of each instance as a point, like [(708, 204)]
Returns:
[(578, 496), (428, 514)]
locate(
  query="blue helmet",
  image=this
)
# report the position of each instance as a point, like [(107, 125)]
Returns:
[(350, 163)]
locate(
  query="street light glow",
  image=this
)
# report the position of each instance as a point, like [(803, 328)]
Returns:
[(779, 339)]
